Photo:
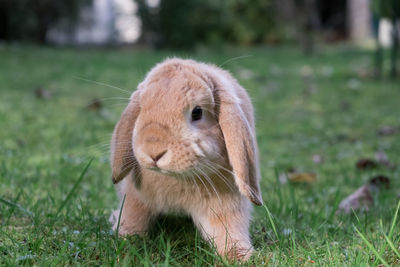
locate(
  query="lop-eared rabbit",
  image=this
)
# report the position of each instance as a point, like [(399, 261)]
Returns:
[(186, 143)]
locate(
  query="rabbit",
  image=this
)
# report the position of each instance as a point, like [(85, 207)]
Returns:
[(186, 144)]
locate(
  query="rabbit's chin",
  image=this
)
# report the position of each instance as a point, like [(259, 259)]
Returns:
[(163, 171), (189, 172)]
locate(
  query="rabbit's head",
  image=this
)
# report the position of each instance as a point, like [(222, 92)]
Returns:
[(182, 121)]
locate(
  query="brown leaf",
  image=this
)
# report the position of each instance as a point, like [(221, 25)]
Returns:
[(43, 93), (366, 164), (302, 177), (383, 159), (380, 182), (388, 130), (362, 199), (345, 106), (21, 142), (95, 105)]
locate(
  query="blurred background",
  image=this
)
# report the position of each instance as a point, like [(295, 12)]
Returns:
[(189, 24)]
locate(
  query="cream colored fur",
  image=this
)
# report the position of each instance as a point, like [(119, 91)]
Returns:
[(166, 163)]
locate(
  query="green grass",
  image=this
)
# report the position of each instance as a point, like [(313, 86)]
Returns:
[(54, 211)]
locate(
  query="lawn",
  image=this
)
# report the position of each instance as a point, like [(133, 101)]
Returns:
[(52, 212)]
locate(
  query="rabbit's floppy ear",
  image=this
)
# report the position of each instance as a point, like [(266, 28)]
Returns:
[(122, 157), (235, 116)]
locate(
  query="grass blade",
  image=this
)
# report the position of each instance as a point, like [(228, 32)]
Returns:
[(371, 247), (15, 205), (278, 185), (119, 215), (335, 205), (392, 246), (74, 188), (271, 221), (388, 238), (394, 220)]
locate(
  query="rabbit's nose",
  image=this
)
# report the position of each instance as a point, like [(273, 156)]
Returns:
[(158, 156)]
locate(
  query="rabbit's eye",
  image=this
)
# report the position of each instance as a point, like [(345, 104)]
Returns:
[(197, 113)]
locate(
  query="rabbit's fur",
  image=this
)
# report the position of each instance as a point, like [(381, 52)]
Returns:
[(206, 168)]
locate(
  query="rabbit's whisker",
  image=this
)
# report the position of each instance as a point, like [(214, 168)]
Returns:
[(115, 98), (222, 167), (224, 179), (201, 180), (194, 180), (104, 84), (219, 174), (234, 58), (210, 182), (132, 164), (118, 105)]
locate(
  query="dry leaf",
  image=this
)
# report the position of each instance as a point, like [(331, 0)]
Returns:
[(383, 159), (43, 93), (21, 142), (362, 198), (388, 130), (95, 105), (380, 182), (302, 177), (366, 164), (345, 106)]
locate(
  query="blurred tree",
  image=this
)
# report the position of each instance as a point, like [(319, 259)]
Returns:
[(184, 23), (251, 23), (386, 9), (307, 22), (30, 20)]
